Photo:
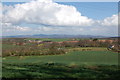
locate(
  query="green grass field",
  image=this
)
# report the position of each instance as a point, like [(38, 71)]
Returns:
[(77, 57), (57, 71), (49, 39), (77, 64)]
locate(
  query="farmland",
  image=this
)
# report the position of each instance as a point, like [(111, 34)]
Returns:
[(77, 57), (65, 66), (51, 59), (51, 39)]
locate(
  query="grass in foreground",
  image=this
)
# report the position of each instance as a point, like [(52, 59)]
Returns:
[(94, 65), (38, 71)]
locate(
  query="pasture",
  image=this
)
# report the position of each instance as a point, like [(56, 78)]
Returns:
[(77, 64), (76, 57), (56, 39), (49, 39)]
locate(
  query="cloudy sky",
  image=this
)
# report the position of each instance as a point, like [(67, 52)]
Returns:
[(49, 17)]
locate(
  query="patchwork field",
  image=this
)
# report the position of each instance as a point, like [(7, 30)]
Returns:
[(39, 58)]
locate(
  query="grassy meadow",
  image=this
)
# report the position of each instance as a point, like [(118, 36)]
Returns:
[(49, 39), (76, 57), (78, 64)]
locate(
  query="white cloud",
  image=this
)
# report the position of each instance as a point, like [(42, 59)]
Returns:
[(22, 28), (110, 21), (8, 27), (46, 12), (45, 29), (0, 12), (7, 8)]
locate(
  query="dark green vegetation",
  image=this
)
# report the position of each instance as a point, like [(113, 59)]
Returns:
[(39, 70)]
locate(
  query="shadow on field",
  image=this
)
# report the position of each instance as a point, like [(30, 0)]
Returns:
[(54, 71)]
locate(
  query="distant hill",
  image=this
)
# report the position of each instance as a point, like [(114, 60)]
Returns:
[(53, 36)]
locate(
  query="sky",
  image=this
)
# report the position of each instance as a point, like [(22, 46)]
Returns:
[(49, 17), (64, 0)]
